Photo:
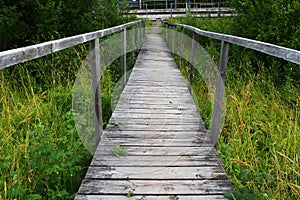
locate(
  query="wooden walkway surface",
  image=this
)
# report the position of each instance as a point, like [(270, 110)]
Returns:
[(156, 145)]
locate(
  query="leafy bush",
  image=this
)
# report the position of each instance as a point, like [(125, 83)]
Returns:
[(258, 144), (24, 23), (276, 22)]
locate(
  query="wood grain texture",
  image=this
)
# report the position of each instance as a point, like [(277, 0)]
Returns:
[(288, 54), (150, 197), (156, 145), (16, 56)]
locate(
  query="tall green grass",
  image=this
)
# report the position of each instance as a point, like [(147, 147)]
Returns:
[(259, 143), (41, 154)]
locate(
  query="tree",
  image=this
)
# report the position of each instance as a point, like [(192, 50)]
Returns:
[(28, 22), (273, 21)]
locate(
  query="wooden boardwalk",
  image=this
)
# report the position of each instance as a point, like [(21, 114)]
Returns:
[(156, 145)]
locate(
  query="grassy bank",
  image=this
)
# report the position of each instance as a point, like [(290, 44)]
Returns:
[(259, 142), (41, 154)]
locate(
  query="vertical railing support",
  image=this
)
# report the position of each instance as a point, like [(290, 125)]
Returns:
[(218, 101), (165, 31), (96, 85), (180, 47), (173, 40), (144, 30), (139, 37), (133, 44), (123, 40), (192, 60), (169, 38)]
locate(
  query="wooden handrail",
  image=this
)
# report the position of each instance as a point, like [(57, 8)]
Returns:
[(290, 55), (23, 54)]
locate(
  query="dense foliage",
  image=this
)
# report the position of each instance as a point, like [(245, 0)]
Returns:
[(258, 144), (276, 22), (27, 22), (41, 155)]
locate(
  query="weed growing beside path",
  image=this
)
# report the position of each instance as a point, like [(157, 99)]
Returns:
[(259, 143)]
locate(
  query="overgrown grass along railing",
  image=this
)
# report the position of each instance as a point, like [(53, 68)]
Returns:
[(24, 54), (287, 54)]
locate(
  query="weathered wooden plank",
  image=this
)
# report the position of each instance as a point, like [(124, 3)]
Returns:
[(154, 121), (160, 127), (174, 96), (139, 75), (150, 197), (157, 83), (144, 109), (156, 151), (150, 119), (157, 89), (154, 109), (156, 101), (155, 115), (154, 187), (156, 134), (153, 94), (155, 86), (157, 161), (196, 141), (156, 173)]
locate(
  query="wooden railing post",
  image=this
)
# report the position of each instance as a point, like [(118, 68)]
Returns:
[(218, 102), (173, 41), (133, 43), (165, 31), (123, 40), (192, 60), (168, 35), (96, 85), (144, 30), (180, 47), (139, 37)]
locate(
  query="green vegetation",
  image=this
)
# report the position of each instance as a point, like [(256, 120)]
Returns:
[(41, 154), (120, 151), (24, 23), (259, 143), (273, 21)]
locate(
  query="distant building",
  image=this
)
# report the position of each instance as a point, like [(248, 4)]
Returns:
[(134, 3), (141, 4)]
